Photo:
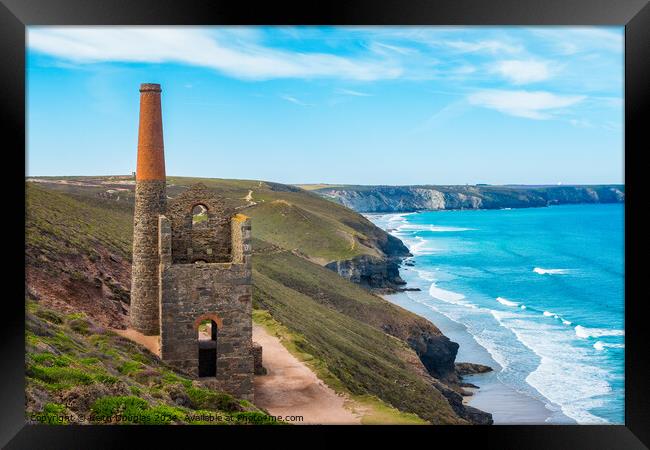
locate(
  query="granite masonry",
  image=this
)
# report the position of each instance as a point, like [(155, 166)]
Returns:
[(191, 279)]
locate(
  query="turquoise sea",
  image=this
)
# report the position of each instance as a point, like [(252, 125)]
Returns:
[(541, 290)]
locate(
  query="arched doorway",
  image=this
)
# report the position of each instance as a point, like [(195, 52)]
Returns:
[(207, 332), (199, 216)]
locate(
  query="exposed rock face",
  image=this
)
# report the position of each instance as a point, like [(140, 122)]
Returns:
[(465, 368), (436, 351), (376, 272), (420, 198), (469, 413), (370, 271)]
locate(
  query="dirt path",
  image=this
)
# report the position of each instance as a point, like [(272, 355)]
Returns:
[(151, 343), (290, 388)]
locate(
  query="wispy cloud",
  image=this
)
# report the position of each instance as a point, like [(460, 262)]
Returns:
[(529, 104), (489, 46), (581, 123), (242, 57), (523, 71), (569, 41), (352, 93), (440, 118), (294, 100)]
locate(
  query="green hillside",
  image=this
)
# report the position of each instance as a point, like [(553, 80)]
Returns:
[(85, 240)]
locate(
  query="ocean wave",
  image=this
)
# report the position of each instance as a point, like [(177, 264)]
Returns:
[(425, 274), (541, 271), (399, 216), (420, 246), (565, 375), (585, 333), (550, 314), (600, 345), (449, 296), (427, 227), (507, 302)]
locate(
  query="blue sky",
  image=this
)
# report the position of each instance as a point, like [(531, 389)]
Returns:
[(356, 105)]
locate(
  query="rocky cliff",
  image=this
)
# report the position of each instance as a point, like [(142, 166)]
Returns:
[(418, 198)]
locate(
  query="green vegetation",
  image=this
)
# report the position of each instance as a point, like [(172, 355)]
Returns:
[(328, 322), (58, 225), (76, 376), (357, 357), (294, 219), (372, 409)]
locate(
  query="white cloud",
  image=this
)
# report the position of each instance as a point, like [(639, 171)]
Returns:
[(382, 48), (294, 100), (581, 123), (353, 93), (523, 71), (529, 104), (489, 46), (573, 40), (464, 70), (243, 58)]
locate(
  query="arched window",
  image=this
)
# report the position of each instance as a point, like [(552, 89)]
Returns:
[(207, 342), (199, 216)]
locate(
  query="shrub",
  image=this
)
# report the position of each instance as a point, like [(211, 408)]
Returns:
[(129, 367), (122, 409), (52, 414), (59, 377), (201, 398)]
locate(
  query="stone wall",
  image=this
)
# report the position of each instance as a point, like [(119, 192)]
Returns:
[(258, 367), (208, 241), (150, 199), (219, 291)]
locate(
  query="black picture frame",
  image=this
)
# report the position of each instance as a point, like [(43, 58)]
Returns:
[(15, 15)]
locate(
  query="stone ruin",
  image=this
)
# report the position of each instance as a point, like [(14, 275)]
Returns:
[(191, 276)]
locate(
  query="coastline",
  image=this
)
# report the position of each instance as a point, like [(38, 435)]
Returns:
[(506, 405), (473, 286)]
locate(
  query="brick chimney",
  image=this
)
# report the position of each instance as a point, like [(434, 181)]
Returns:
[(150, 202)]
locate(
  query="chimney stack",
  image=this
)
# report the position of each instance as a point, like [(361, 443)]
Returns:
[(150, 202)]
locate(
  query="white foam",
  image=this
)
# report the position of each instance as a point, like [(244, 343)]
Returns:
[(419, 227), (548, 314), (446, 229), (507, 302), (541, 271), (600, 345), (420, 246), (523, 306), (566, 322), (585, 333), (564, 375), (449, 296), (425, 275)]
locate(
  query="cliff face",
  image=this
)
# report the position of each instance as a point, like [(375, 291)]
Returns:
[(370, 271), (418, 198)]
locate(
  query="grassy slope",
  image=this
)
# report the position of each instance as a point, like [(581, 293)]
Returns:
[(295, 219), (58, 224), (79, 373), (363, 359)]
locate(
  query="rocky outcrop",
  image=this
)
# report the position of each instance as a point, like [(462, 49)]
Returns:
[(469, 413), (436, 351), (465, 368), (421, 198), (370, 271)]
